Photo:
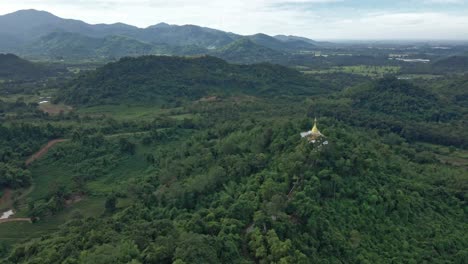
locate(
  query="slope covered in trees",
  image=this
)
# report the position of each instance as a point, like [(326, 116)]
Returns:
[(76, 46), (13, 67), (452, 64), (241, 186), (246, 50), (228, 179), (400, 107), (166, 79)]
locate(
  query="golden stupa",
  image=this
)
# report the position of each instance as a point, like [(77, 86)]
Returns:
[(314, 134)]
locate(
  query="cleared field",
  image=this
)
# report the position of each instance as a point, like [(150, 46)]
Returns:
[(418, 76), (132, 112), (19, 231), (54, 109), (364, 70)]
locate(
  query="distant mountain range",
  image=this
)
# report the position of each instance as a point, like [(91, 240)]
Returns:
[(39, 34)]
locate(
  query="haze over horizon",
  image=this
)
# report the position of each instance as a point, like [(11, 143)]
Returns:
[(315, 19)]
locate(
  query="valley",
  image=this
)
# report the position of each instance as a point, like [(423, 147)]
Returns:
[(186, 144)]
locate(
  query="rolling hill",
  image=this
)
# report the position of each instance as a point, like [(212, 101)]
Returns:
[(288, 44), (245, 50), (164, 79), (13, 67), (452, 64)]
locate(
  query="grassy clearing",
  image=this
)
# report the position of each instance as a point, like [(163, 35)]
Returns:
[(46, 173), (19, 231), (132, 112), (131, 167), (418, 76), (364, 70), (27, 98), (123, 111)]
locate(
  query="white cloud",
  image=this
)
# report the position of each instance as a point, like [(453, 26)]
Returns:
[(253, 16)]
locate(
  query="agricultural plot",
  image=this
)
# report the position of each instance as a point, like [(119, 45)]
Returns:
[(364, 70)]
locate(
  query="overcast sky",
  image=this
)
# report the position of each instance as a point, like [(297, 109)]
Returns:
[(316, 19)]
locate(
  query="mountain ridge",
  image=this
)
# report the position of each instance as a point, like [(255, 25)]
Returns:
[(21, 29)]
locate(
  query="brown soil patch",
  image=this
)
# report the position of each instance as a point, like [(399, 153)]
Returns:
[(43, 151), (74, 199), (53, 109)]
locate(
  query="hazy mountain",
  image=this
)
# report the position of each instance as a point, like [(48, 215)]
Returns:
[(73, 46), (282, 45), (245, 50), (32, 32), (186, 35), (27, 25), (295, 38)]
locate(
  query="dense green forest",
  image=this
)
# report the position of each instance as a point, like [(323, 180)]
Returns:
[(195, 160), (15, 68), (167, 79)]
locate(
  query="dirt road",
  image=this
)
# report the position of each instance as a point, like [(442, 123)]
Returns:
[(15, 220), (43, 151)]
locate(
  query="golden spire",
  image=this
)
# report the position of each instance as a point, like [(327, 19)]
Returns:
[(314, 134), (315, 130)]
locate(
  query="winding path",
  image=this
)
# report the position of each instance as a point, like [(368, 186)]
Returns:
[(43, 150), (40, 153)]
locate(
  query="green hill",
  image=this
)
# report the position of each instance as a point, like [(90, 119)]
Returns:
[(398, 106), (13, 67), (451, 64), (245, 50), (165, 79), (393, 97), (281, 44)]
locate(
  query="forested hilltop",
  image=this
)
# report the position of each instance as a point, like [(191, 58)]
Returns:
[(153, 79), (14, 68), (195, 160)]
